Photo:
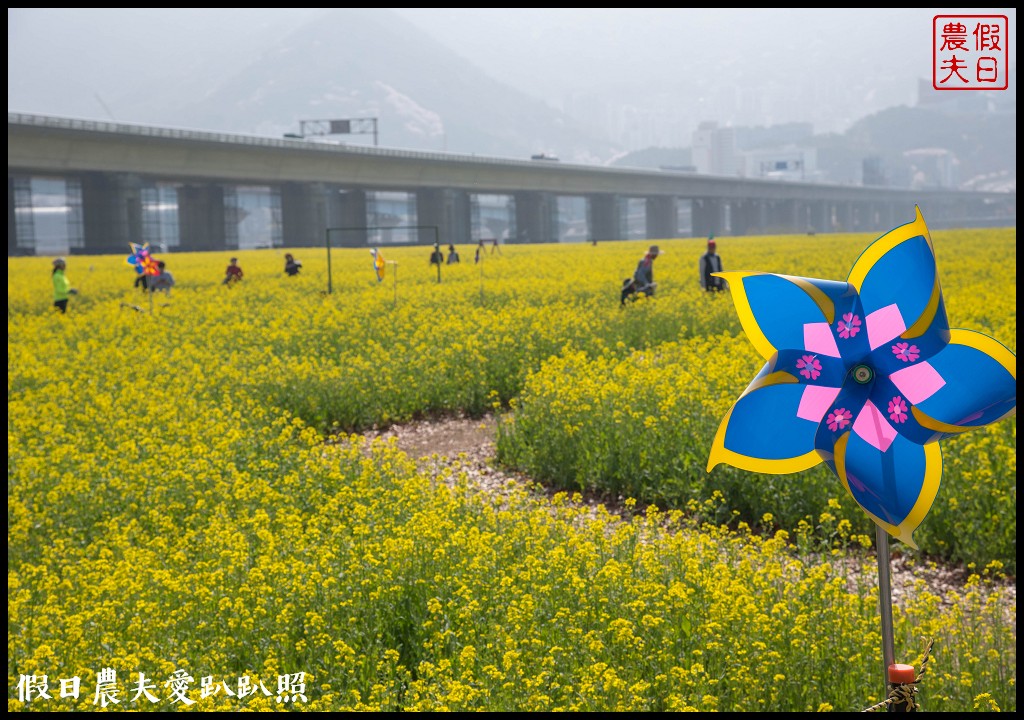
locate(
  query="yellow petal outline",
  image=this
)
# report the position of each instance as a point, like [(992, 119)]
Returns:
[(746, 312), (782, 466), (927, 315), (823, 301), (929, 490), (884, 244), (984, 344)]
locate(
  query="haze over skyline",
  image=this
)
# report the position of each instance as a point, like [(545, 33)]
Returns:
[(639, 76)]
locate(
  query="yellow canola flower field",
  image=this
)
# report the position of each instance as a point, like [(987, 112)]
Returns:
[(193, 525)]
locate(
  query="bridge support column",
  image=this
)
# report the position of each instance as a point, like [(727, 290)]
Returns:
[(790, 216), (112, 212), (857, 217), (708, 217), (12, 225), (747, 217), (303, 214), (446, 209), (201, 217), (347, 209), (820, 217), (803, 216), (605, 217), (784, 217), (662, 217), (891, 216), (536, 217)]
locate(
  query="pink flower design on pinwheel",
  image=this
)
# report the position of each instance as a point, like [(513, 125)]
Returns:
[(849, 326), (838, 419), (905, 351), (898, 410), (809, 366)]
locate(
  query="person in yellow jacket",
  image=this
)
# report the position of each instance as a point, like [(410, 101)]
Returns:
[(61, 286)]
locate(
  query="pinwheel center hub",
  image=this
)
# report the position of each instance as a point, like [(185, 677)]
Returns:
[(863, 374)]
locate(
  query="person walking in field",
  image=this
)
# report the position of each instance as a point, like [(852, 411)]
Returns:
[(62, 289), (436, 257), (643, 277), (711, 262), (291, 265)]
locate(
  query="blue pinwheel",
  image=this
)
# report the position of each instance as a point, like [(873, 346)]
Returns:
[(865, 375)]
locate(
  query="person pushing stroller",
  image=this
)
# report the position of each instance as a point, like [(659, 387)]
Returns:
[(642, 281)]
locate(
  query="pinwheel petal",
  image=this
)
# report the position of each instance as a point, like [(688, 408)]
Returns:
[(897, 487), (771, 427), (898, 303), (972, 382), (781, 312)]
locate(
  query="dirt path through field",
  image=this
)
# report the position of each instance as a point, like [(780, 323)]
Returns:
[(467, 445)]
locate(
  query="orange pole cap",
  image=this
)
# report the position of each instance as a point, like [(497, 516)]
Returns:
[(901, 674)]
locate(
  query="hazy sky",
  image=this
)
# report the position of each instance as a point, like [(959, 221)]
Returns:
[(829, 67)]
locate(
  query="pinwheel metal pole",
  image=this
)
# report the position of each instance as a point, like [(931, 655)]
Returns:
[(885, 605), (329, 287), (395, 264)]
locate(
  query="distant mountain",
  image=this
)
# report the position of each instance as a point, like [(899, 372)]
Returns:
[(982, 143), (365, 62), (139, 65), (236, 71)]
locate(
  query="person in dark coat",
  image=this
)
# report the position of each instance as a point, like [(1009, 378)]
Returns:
[(711, 262)]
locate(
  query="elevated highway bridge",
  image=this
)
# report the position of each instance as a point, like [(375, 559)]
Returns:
[(194, 190)]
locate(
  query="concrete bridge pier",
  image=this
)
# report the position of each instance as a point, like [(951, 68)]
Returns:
[(304, 213), (446, 209), (709, 217), (662, 217), (605, 217), (201, 216), (536, 217), (112, 211)]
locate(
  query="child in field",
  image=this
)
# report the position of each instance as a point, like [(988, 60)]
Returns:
[(164, 281), (234, 273), (61, 285)]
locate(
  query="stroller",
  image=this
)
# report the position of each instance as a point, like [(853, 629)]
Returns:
[(631, 290)]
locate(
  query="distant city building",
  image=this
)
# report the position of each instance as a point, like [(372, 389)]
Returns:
[(714, 150), (932, 168), (873, 171), (797, 164)]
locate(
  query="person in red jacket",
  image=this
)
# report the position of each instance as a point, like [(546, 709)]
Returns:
[(234, 273)]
